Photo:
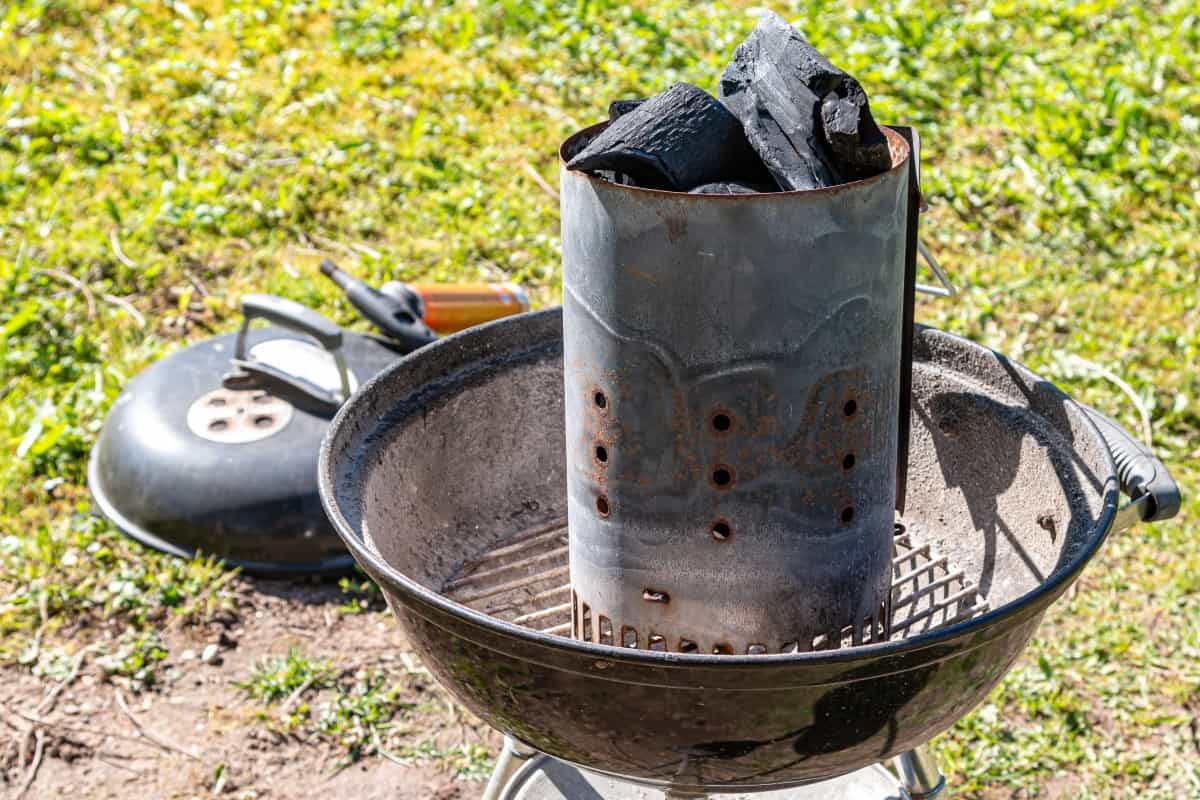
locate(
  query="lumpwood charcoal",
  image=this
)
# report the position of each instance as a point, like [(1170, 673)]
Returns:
[(619, 108), (765, 87), (675, 140), (778, 85), (859, 147), (730, 187), (615, 177)]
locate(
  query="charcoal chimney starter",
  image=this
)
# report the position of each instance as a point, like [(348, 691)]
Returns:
[(732, 373)]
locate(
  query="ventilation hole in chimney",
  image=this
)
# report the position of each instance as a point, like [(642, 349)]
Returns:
[(722, 422), (263, 421), (722, 649), (602, 454), (218, 425), (821, 642), (721, 530), (722, 476), (847, 514), (655, 596), (898, 529), (688, 646), (606, 630), (848, 461), (602, 505), (587, 623), (600, 400), (656, 642), (629, 636), (850, 408), (790, 647), (756, 650)]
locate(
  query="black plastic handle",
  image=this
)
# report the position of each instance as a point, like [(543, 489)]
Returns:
[(251, 374), (290, 314), (396, 315), (1138, 469), (248, 373)]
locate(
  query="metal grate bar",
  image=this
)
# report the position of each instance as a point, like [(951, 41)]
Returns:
[(511, 586), (545, 613), (489, 575), (933, 586), (521, 542), (925, 569), (521, 581), (941, 607), (910, 555)]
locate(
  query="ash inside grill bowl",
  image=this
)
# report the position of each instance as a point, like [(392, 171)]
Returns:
[(445, 476)]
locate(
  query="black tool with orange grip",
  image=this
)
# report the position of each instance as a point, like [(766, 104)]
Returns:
[(409, 314)]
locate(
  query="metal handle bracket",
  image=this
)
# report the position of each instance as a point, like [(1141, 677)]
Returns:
[(287, 314)]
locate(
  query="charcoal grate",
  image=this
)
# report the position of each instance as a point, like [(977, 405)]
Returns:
[(524, 580)]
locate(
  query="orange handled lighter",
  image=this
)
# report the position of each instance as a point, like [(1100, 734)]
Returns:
[(451, 307), (409, 314)]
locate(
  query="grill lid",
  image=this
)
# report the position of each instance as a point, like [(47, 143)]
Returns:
[(184, 465)]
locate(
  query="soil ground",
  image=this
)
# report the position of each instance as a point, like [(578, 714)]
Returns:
[(196, 735)]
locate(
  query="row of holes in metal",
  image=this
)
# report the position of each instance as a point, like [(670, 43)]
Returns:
[(871, 628), (722, 474)]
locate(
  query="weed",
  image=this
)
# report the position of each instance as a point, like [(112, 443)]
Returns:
[(363, 594), (277, 678), (136, 658)]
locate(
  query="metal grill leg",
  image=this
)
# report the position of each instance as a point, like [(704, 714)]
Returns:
[(512, 756), (920, 774)]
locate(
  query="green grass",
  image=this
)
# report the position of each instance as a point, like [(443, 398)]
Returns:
[(282, 678), (361, 711), (159, 159)]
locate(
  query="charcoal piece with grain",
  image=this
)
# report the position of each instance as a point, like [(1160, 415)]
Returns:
[(730, 187), (779, 86), (675, 140), (615, 177), (859, 146), (619, 108)]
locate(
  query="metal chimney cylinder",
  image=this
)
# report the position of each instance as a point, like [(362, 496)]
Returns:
[(732, 365)]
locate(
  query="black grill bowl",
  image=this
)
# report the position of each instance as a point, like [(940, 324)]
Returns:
[(459, 447)]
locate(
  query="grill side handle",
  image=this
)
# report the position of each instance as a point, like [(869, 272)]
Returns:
[(1140, 472)]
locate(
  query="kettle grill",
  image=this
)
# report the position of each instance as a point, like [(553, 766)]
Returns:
[(445, 476)]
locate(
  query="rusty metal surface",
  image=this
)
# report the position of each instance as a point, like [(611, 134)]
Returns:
[(731, 393), (460, 447)]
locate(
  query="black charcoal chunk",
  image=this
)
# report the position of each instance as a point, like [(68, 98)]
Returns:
[(778, 85), (730, 187), (619, 108), (765, 86), (675, 140), (859, 146), (615, 177)]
